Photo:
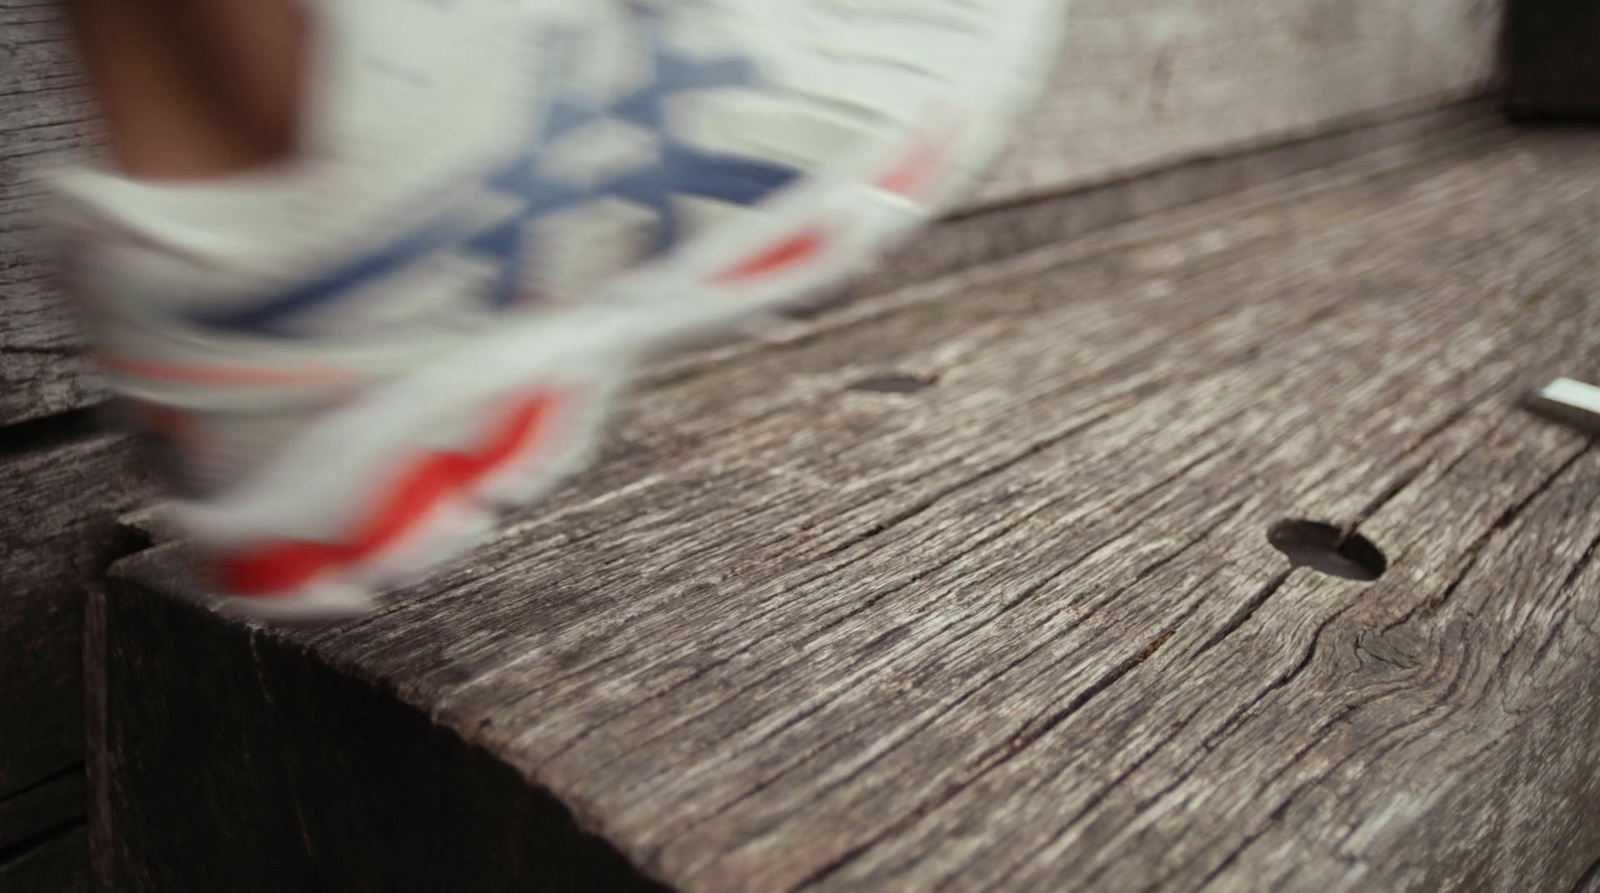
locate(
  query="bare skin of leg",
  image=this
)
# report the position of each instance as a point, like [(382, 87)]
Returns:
[(191, 89)]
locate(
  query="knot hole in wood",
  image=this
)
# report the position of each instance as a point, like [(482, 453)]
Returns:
[(1327, 549)]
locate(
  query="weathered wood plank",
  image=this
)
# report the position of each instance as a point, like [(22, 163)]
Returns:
[(1020, 629), (45, 120), (1191, 786), (469, 825), (556, 756), (64, 485)]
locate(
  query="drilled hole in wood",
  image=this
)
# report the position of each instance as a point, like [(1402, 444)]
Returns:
[(1326, 549), (894, 383)]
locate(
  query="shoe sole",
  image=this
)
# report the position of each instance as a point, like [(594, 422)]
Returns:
[(544, 388)]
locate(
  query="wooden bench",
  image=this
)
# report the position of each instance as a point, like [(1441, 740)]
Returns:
[(607, 686), (969, 586)]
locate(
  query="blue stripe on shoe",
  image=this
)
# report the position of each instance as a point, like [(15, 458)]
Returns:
[(678, 170), (270, 316)]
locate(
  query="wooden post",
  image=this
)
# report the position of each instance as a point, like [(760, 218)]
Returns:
[(1552, 59), (1021, 627)]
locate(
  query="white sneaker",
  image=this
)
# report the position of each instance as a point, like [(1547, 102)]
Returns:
[(356, 358)]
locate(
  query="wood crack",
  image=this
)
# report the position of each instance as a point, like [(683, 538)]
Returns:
[(1104, 793), (1474, 551), (1244, 612), (1000, 756), (1042, 446), (984, 763), (1566, 586), (867, 604), (29, 350), (1281, 812), (994, 758), (1396, 735), (1583, 565), (32, 842), (1411, 475), (50, 432), (877, 530), (1235, 722), (1021, 599), (1590, 880)]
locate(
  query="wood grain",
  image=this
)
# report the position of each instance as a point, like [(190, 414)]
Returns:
[(45, 121), (63, 480), (466, 824), (64, 485), (1018, 628)]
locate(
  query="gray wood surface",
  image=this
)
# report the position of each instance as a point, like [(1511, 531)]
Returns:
[(1012, 626), (64, 485), (44, 120)]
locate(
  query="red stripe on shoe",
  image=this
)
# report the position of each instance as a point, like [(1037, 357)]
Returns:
[(916, 171), (791, 251), (282, 568)]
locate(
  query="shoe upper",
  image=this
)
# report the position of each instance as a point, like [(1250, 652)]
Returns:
[(470, 161)]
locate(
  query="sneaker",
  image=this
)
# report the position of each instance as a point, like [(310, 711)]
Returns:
[(349, 363)]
